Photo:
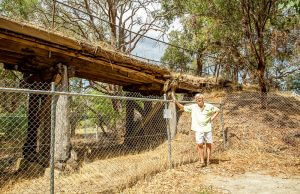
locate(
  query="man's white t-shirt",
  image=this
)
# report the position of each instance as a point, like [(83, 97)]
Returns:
[(201, 119)]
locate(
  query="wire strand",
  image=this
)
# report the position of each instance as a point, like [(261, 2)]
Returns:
[(169, 44)]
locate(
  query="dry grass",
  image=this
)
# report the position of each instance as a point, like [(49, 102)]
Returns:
[(179, 180), (110, 175), (255, 144), (263, 139), (258, 140)]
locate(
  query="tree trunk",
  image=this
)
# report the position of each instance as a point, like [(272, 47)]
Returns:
[(217, 72), (148, 127), (215, 69), (199, 64), (244, 77), (235, 75), (112, 15), (252, 76), (262, 84)]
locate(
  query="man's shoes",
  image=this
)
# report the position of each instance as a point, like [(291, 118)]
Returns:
[(202, 164), (207, 163)]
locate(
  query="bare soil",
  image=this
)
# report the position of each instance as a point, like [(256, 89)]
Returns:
[(254, 182), (192, 178)]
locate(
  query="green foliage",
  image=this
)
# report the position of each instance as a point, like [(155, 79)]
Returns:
[(176, 58), (20, 8), (290, 4), (95, 110), (13, 126), (293, 82), (223, 29)]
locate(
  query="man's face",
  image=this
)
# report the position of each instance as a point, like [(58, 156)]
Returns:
[(200, 101)]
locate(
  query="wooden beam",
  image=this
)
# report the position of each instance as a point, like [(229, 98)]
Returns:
[(38, 33), (109, 78), (144, 87), (29, 43), (42, 49), (43, 35)]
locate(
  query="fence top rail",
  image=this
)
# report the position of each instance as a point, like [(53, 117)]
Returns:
[(19, 90)]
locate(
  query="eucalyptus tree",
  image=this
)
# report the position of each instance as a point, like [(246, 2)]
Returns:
[(246, 36)]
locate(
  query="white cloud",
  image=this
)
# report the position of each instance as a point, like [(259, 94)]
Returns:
[(148, 48)]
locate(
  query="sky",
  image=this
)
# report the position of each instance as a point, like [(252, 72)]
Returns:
[(148, 48), (151, 49)]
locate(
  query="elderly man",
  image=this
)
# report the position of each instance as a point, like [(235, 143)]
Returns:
[(202, 115)]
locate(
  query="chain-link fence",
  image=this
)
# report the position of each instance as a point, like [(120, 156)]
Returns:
[(77, 141), (269, 123)]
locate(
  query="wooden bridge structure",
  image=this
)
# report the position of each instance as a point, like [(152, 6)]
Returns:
[(36, 51), (46, 56)]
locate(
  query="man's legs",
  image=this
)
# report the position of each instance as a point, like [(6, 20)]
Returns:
[(199, 145), (208, 151), (209, 140), (200, 150)]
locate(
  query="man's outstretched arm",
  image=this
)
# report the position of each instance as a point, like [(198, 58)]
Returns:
[(180, 106), (215, 114)]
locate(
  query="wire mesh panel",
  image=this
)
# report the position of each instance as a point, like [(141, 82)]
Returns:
[(275, 116), (24, 135), (105, 143), (263, 130), (114, 142), (102, 143)]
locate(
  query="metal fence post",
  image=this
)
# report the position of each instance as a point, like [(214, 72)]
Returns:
[(168, 132), (222, 124), (52, 150)]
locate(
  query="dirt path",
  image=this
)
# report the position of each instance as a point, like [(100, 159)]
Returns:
[(254, 183), (192, 178)]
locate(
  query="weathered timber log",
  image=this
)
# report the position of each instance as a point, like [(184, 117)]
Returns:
[(66, 52), (148, 130), (63, 147), (30, 145), (130, 124), (173, 120), (37, 144)]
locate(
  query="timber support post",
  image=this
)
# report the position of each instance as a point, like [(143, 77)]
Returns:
[(173, 120), (130, 125), (30, 146), (63, 148), (37, 144), (167, 116), (44, 131)]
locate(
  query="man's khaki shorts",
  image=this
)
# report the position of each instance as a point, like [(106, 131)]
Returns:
[(203, 137)]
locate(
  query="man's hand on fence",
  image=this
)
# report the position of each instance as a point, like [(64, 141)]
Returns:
[(214, 116), (180, 106)]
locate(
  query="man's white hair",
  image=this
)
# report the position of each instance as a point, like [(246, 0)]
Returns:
[(199, 95)]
